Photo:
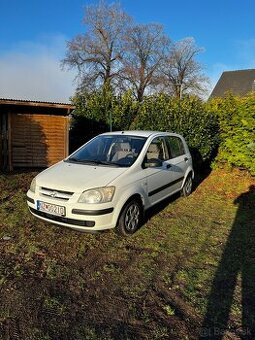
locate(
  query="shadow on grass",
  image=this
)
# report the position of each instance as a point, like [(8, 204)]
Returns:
[(200, 176), (238, 260), (157, 208)]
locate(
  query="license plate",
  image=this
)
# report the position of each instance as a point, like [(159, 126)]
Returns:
[(52, 209)]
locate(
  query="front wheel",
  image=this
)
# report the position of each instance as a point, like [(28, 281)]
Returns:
[(130, 218), (187, 186)]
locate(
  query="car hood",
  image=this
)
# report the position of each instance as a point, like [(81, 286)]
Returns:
[(77, 177)]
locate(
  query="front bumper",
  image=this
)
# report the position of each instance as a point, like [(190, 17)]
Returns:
[(77, 216)]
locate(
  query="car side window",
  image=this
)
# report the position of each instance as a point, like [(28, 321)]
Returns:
[(175, 146), (157, 150)]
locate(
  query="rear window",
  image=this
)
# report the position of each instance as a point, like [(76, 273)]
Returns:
[(175, 146)]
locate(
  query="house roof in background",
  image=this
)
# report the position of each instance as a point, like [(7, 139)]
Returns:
[(238, 82)]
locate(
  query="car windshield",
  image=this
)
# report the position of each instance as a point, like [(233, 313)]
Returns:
[(109, 150)]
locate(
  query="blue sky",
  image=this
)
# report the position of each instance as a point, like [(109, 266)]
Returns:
[(33, 35)]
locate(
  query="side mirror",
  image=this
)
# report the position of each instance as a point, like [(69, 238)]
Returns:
[(153, 163)]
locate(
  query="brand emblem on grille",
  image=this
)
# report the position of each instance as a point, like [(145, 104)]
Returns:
[(53, 194)]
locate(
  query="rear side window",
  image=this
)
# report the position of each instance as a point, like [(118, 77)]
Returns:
[(175, 146), (157, 149)]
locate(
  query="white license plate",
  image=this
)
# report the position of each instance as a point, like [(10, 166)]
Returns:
[(52, 209)]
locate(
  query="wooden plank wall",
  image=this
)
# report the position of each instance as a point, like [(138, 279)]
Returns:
[(4, 141), (1, 143), (38, 140)]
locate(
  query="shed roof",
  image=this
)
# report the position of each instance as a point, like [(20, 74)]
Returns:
[(239, 82), (35, 107), (4, 101)]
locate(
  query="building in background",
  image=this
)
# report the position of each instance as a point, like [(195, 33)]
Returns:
[(240, 82)]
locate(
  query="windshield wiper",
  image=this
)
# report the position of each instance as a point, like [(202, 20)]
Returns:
[(84, 161), (71, 159), (106, 163), (93, 162)]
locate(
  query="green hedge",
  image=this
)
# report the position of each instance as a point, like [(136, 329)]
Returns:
[(225, 122), (187, 117), (237, 130), (161, 112)]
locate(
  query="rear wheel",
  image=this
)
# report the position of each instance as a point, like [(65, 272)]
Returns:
[(187, 187), (130, 218)]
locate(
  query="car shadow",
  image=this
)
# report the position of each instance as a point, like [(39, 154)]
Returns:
[(200, 176), (237, 263), (157, 208)]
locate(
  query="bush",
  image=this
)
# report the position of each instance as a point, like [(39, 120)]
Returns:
[(89, 118), (157, 112), (237, 130), (187, 117), (124, 110), (98, 111)]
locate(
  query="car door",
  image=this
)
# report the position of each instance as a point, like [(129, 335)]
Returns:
[(178, 161), (157, 171), (166, 179)]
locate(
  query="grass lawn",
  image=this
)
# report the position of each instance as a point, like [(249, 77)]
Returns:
[(188, 273)]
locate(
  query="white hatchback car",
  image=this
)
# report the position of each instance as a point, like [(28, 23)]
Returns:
[(112, 180)]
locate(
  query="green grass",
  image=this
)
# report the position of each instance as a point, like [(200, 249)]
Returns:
[(189, 269)]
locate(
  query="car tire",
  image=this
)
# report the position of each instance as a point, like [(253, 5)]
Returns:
[(130, 218), (187, 186)]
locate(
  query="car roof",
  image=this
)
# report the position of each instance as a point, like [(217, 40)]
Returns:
[(139, 133)]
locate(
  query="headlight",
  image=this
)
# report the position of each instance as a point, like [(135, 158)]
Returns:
[(33, 185), (97, 195)]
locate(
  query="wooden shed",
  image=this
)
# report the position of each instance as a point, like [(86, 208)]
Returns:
[(33, 134)]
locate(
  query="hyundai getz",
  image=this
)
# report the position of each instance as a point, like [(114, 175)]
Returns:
[(112, 180)]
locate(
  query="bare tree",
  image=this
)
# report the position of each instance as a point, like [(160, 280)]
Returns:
[(182, 74), (97, 53), (146, 47)]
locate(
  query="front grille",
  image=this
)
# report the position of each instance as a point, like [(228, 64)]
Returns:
[(55, 193), (63, 219)]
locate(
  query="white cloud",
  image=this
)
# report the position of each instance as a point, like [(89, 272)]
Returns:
[(31, 71)]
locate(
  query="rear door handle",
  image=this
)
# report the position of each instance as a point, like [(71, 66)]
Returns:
[(186, 159)]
